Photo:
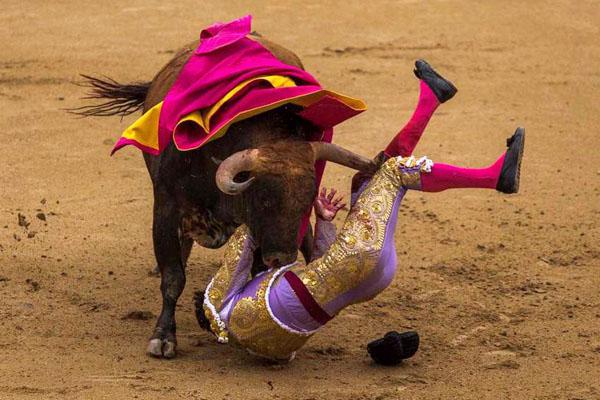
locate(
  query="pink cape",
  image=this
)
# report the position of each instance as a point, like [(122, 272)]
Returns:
[(225, 58)]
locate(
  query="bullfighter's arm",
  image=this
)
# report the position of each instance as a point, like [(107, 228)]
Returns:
[(326, 208)]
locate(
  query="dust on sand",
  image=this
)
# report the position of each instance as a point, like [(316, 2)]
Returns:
[(503, 290)]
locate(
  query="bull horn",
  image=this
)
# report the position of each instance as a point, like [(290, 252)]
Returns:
[(242, 161), (339, 155)]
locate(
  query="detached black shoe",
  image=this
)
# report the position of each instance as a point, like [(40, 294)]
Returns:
[(394, 347), (443, 89), (508, 182)]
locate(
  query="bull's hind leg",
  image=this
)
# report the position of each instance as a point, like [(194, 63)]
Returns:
[(168, 252)]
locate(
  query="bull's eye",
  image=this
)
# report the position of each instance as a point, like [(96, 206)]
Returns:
[(242, 177)]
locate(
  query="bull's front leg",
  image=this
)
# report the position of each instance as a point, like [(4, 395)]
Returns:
[(306, 246), (167, 249)]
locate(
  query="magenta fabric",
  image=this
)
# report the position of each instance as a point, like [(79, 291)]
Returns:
[(328, 112), (222, 34), (404, 143), (189, 137), (224, 59), (444, 176)]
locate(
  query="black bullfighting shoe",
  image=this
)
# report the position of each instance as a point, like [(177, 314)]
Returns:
[(508, 182), (394, 347), (443, 89)]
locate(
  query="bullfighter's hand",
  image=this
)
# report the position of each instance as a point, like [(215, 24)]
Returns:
[(327, 205)]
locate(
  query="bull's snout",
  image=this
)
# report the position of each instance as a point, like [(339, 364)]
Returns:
[(276, 260)]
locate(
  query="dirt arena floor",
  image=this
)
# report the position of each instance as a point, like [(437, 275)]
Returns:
[(504, 290)]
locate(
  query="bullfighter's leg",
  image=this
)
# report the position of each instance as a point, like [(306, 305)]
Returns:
[(434, 90), (306, 247), (168, 252), (502, 175)]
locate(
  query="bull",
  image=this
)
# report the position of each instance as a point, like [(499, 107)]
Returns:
[(266, 180)]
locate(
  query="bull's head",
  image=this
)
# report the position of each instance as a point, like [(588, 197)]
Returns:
[(276, 185)]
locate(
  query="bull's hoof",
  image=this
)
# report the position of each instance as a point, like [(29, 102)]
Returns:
[(161, 348)]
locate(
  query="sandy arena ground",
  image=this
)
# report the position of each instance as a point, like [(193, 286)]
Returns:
[(504, 290)]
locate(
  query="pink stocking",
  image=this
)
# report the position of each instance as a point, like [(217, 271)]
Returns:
[(444, 176), (406, 140)]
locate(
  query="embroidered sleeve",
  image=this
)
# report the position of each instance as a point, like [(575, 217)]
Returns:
[(325, 233)]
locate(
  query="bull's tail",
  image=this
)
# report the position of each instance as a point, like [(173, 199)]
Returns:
[(118, 99)]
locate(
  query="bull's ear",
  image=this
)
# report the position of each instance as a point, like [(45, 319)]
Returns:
[(339, 155)]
